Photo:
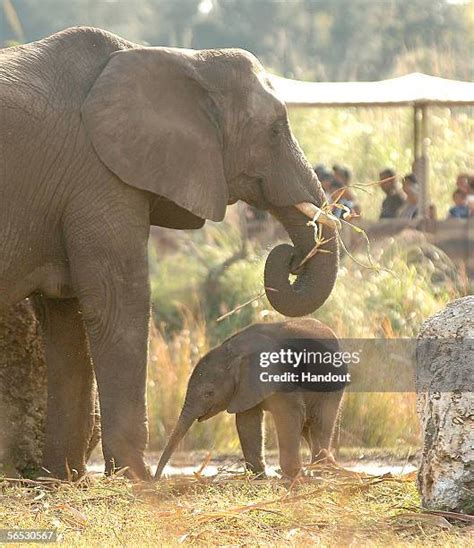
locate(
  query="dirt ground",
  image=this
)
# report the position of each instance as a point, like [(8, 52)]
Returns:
[(369, 461)]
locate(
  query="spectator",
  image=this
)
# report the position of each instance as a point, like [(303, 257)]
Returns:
[(462, 182), (461, 209), (409, 210), (326, 179), (320, 169), (394, 199), (337, 171), (342, 178)]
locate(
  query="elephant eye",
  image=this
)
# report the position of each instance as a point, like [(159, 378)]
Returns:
[(278, 127), (208, 394)]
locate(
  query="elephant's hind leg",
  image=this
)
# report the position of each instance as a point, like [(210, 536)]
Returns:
[(70, 408), (288, 417), (323, 425), (250, 430)]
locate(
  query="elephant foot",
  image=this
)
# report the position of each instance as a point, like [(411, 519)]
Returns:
[(123, 447), (261, 475), (290, 474), (132, 466), (139, 471), (324, 456), (64, 472), (257, 470)]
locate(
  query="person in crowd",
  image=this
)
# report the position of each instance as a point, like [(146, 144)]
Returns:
[(337, 171), (319, 169), (326, 179), (394, 198), (411, 188), (342, 179), (332, 182), (460, 209), (462, 182), (330, 186)]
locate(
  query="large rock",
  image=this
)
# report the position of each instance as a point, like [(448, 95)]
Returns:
[(445, 369), (22, 391)]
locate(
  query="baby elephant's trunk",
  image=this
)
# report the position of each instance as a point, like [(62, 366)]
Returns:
[(183, 425)]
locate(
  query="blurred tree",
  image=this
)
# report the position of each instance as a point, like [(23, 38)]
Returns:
[(308, 39)]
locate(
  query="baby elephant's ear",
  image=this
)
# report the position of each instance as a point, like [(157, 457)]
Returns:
[(249, 391), (153, 119)]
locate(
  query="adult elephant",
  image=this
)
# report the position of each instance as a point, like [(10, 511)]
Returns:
[(99, 139)]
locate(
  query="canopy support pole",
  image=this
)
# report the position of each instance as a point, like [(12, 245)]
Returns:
[(420, 154), (416, 132)]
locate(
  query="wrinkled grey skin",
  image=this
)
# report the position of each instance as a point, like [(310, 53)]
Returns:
[(99, 138), (220, 381)]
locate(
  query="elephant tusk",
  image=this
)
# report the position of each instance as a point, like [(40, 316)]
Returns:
[(317, 214)]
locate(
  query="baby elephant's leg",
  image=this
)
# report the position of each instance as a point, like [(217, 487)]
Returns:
[(307, 435), (323, 423), (250, 430), (288, 416)]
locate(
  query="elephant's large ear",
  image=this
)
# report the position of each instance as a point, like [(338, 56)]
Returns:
[(249, 390), (153, 122)]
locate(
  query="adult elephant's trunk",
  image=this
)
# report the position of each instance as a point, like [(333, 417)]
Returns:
[(315, 279), (183, 425)]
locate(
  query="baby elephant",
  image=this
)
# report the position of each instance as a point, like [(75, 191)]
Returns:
[(223, 380)]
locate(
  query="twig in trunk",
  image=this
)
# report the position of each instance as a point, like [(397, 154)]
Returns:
[(240, 306)]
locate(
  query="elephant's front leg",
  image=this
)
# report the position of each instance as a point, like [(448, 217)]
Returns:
[(70, 407), (250, 429), (111, 277)]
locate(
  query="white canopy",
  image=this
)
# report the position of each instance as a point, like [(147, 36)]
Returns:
[(414, 89)]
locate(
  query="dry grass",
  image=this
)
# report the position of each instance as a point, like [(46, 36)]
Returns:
[(335, 508)]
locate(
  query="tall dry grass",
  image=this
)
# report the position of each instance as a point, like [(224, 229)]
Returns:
[(171, 361)]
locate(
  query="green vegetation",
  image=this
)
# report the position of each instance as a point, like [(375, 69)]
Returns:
[(367, 140), (385, 304), (305, 39), (186, 305)]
